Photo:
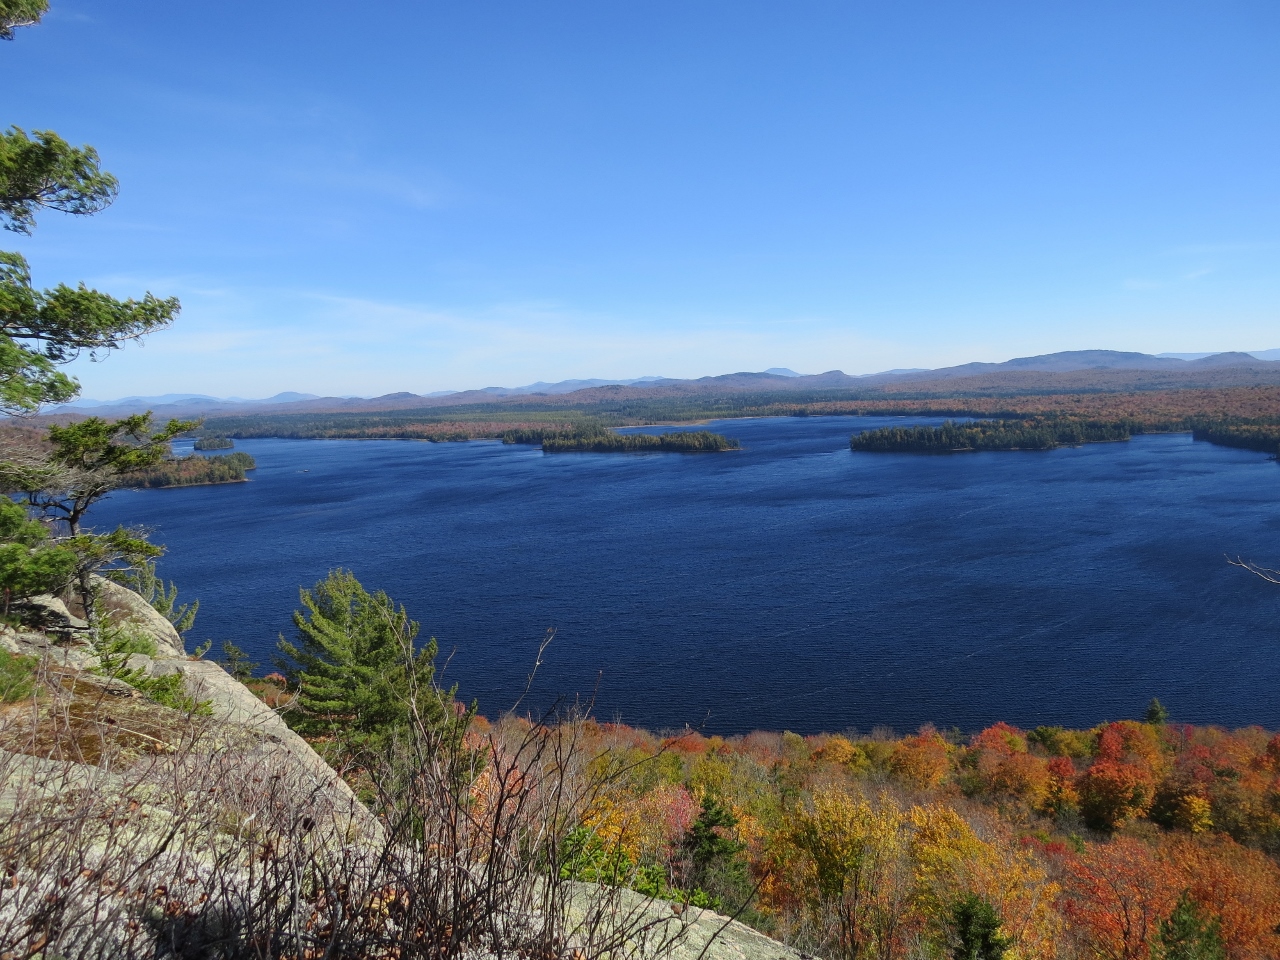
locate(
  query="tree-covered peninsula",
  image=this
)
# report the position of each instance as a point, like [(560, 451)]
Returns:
[(1246, 436), (1040, 433), (193, 471), (214, 443)]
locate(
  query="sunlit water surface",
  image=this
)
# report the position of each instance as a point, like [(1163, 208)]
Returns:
[(792, 584)]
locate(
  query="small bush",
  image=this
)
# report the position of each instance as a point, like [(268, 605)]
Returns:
[(116, 645), (17, 677)]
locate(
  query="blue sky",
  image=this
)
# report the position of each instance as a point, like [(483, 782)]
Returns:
[(425, 196)]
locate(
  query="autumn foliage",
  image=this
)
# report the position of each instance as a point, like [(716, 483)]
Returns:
[(1080, 843)]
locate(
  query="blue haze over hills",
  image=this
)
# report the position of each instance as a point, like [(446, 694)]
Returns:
[(780, 377)]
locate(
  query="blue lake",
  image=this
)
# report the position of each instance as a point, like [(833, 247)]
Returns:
[(790, 585)]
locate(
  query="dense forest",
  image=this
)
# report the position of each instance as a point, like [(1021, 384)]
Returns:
[(1079, 843), (700, 441), (1132, 840), (555, 435), (1218, 415), (590, 436), (1039, 433), (194, 470), (539, 435), (214, 443), (1249, 436), (392, 426)]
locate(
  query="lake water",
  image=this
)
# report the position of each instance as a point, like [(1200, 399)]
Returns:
[(790, 585)]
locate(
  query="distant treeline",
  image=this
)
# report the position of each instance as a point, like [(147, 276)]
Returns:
[(1237, 416), (345, 426), (954, 437), (214, 443), (1156, 410), (1249, 436), (540, 435), (700, 441), (194, 470)]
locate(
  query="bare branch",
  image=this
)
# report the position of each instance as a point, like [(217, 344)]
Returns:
[(1266, 573)]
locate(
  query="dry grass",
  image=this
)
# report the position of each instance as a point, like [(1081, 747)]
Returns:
[(131, 830), (79, 718)]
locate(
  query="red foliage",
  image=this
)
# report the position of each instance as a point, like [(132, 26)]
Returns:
[(1113, 792), (1240, 887), (1116, 895), (690, 743), (1000, 738)]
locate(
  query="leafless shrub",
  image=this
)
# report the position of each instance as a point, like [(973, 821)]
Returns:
[(197, 839)]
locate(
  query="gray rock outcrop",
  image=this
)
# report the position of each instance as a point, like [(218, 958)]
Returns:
[(150, 831)]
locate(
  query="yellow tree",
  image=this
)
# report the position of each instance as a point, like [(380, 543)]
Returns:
[(951, 862), (853, 874)]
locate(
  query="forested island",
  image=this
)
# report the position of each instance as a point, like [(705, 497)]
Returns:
[(961, 437), (193, 471), (592, 437), (214, 443), (1247, 417), (700, 441)]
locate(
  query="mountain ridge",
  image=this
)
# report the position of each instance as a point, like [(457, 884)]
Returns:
[(1064, 370)]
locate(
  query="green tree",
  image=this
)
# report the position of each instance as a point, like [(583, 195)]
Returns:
[(977, 930), (1156, 714), (41, 170), (20, 13), (85, 461), (29, 564), (40, 330), (77, 466), (362, 678), (1189, 934), (714, 864), (236, 662), (144, 581)]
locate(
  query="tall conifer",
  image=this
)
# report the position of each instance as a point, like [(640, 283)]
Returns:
[(360, 672)]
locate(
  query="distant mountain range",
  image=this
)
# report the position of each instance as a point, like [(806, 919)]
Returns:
[(1259, 354), (288, 396), (1066, 371)]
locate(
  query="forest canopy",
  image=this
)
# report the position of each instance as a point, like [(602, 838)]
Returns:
[(194, 470), (956, 437)]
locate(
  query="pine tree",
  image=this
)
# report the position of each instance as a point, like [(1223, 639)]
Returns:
[(29, 565), (361, 676), (1188, 934), (714, 864), (236, 662), (977, 930), (1157, 715)]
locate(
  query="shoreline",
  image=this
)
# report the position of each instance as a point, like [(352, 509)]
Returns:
[(180, 486), (707, 421)]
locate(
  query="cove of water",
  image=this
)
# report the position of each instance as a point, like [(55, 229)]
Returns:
[(789, 585)]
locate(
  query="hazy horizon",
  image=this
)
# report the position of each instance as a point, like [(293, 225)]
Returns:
[(1271, 355)]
